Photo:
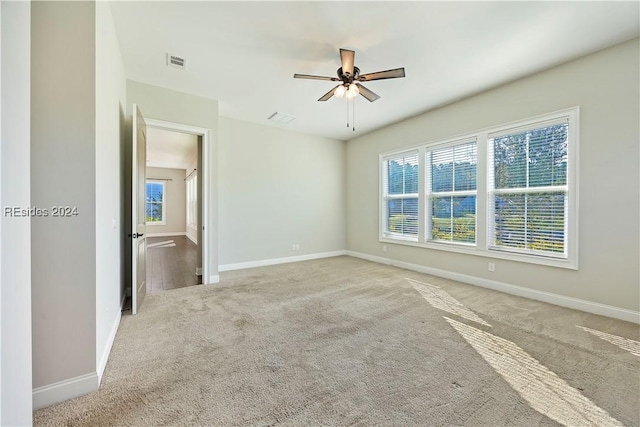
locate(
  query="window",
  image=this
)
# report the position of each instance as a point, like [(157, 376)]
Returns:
[(400, 188), (506, 192), (451, 174), (528, 190), (192, 201), (155, 203)]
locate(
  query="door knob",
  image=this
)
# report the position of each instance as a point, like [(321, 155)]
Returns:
[(136, 235)]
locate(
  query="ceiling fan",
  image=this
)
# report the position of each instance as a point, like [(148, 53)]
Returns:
[(349, 77)]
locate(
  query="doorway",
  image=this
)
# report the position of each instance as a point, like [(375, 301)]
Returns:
[(175, 205)]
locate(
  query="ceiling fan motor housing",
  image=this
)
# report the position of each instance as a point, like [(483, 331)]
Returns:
[(347, 78)]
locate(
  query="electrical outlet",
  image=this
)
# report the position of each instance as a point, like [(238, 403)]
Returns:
[(492, 266), (293, 247), (384, 248), (297, 246)]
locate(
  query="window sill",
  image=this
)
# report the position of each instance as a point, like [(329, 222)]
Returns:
[(474, 250)]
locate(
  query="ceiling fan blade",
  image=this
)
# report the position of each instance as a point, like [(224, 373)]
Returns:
[(310, 77), (347, 58), (328, 94), (389, 74), (371, 96)]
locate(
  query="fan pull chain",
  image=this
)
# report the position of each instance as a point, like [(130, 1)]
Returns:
[(347, 113), (353, 112)]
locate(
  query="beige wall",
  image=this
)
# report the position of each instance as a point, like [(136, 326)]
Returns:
[(175, 202), (77, 132), (63, 173), (109, 136), (605, 86), (279, 188)]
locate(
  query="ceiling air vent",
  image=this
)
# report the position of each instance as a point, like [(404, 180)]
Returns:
[(281, 117), (176, 62)]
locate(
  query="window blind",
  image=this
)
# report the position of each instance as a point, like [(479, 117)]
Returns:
[(528, 189), (401, 182), (451, 181)]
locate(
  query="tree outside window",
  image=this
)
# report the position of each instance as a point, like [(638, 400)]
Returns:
[(155, 202)]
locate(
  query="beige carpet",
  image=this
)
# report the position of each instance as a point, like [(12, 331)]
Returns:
[(342, 342)]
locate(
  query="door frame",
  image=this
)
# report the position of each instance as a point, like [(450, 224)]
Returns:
[(204, 175)]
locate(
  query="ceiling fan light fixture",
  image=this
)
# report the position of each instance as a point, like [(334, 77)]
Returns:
[(340, 91), (353, 91)]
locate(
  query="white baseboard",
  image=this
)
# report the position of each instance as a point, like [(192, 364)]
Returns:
[(194, 239), (64, 390), (112, 336), (274, 261), (175, 233), (561, 300), (213, 279)]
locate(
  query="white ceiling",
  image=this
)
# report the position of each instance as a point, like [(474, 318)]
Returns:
[(166, 149), (244, 54)]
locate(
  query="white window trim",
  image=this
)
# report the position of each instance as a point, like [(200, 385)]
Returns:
[(192, 201), (481, 247), (164, 202)]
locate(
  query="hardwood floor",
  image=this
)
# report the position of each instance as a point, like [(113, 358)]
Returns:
[(171, 263)]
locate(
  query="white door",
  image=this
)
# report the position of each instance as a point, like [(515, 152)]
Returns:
[(138, 211)]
